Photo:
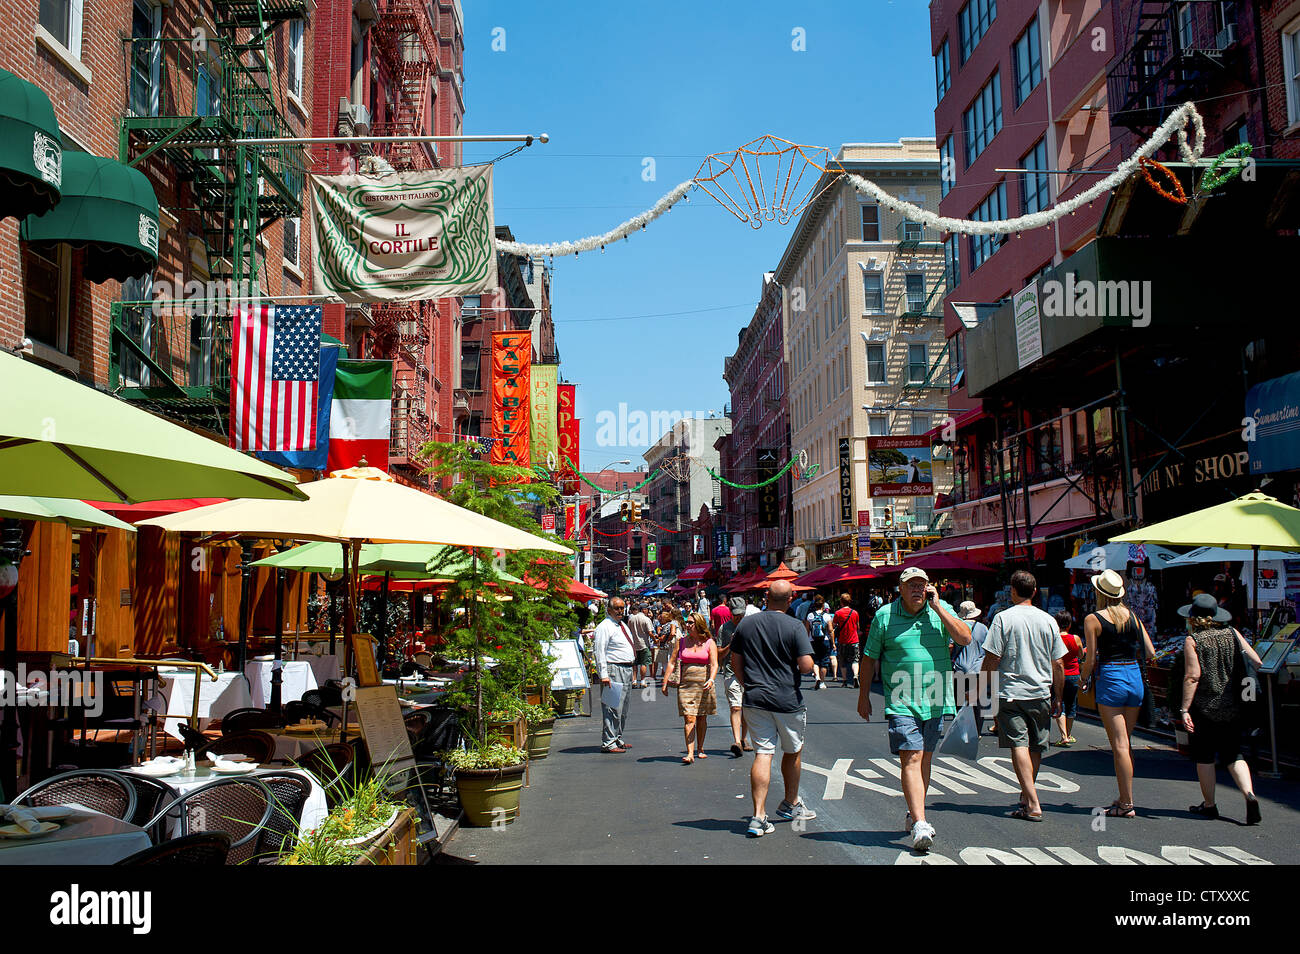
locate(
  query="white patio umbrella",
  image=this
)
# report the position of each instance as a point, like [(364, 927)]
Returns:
[(1226, 555), (1115, 556)]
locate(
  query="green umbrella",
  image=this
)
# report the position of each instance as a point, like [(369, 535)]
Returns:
[(401, 561), (59, 438), (75, 513)]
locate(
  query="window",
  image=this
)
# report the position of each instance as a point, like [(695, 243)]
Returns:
[(871, 223), (923, 511), (62, 20), (920, 422), (1291, 73), (983, 118), (873, 293), (470, 308), (878, 514), (915, 291), (1027, 58), (947, 167), (973, 21), (1035, 187), (877, 425), (1184, 20), (471, 368), (952, 262), (992, 208), (942, 73), (46, 294), (1236, 134), (913, 231), (916, 364), (876, 364), (955, 358), (294, 57), (291, 227), (146, 58)]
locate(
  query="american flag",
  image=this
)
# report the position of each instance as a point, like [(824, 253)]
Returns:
[(274, 371)]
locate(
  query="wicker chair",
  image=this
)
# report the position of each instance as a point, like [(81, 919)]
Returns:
[(289, 794), (205, 848), (246, 720), (333, 766), (151, 794), (240, 807), (100, 789), (258, 746), (324, 696)]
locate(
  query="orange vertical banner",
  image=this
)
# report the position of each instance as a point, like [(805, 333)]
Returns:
[(512, 358)]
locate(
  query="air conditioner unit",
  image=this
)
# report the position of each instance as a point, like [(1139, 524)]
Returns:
[(354, 118)]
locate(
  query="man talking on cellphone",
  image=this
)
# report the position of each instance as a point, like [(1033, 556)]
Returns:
[(909, 637)]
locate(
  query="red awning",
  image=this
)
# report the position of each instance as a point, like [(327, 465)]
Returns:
[(986, 546), (746, 581), (147, 510), (968, 416), (696, 571)]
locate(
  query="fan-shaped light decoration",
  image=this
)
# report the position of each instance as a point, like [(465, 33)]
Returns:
[(676, 468), (773, 179)]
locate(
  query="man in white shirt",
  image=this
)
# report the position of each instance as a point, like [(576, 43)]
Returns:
[(1024, 648), (615, 652), (702, 602), (643, 633)]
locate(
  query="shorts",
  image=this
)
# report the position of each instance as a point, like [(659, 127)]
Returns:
[(821, 653), (1024, 723), (848, 653), (1119, 685), (662, 657), (643, 657), (907, 733), (735, 694), (1070, 697), (1215, 738), (767, 727)]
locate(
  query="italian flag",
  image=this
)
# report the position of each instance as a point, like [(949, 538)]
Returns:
[(361, 414)]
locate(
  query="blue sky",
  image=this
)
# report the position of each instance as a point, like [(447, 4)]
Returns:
[(615, 83)]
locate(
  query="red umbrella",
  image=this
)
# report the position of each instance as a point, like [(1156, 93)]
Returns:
[(822, 575), (149, 509)]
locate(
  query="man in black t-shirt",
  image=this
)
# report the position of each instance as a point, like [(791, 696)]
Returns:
[(769, 653)]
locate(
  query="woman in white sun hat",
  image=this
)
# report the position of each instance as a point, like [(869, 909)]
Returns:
[(1117, 648)]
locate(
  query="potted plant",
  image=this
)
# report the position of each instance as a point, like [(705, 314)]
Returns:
[(541, 725), (366, 818), (489, 778), (567, 700)]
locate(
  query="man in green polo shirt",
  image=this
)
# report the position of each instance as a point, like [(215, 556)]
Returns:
[(909, 638)]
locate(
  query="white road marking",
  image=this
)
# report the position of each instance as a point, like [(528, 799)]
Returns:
[(1110, 854), (838, 776)]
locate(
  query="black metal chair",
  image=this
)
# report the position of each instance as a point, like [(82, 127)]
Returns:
[(193, 738), (151, 794), (300, 709), (247, 720), (205, 848), (240, 807), (333, 767), (258, 746), (326, 696), (100, 789), (289, 793)]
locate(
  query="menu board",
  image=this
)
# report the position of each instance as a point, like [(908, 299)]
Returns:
[(568, 670), (383, 728), (363, 653)]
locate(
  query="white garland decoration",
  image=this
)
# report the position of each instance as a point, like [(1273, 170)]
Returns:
[(1178, 122), (593, 242)]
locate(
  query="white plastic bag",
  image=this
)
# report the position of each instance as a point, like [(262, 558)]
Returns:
[(961, 738)]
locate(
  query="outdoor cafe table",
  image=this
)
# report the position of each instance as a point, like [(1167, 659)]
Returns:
[(175, 697), (295, 679), (313, 811), (291, 745), (85, 838)]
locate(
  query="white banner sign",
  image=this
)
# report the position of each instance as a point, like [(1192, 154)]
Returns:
[(405, 236), (1029, 327)]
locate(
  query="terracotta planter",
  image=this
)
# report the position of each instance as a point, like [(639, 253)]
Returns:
[(539, 739), (490, 796)]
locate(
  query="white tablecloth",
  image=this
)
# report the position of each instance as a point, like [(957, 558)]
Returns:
[(175, 697), (313, 812), (325, 667), (86, 838), (295, 679)]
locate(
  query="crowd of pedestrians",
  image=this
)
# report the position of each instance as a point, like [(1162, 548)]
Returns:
[(1023, 671)]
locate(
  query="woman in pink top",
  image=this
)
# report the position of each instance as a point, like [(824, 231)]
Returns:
[(696, 659)]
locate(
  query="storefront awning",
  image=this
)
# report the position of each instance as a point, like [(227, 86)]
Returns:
[(107, 208), (31, 149), (968, 416), (986, 546), (694, 572)]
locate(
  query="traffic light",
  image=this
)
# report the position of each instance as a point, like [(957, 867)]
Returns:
[(889, 516), (625, 511), (636, 511)]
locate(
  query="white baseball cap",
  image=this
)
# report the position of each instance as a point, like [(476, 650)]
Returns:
[(912, 573)]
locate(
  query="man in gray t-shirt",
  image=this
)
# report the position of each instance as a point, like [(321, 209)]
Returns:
[(1024, 648)]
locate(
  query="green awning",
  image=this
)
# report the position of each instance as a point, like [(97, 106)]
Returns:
[(329, 341), (31, 149), (110, 210)]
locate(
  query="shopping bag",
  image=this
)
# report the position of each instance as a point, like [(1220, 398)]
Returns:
[(961, 739)]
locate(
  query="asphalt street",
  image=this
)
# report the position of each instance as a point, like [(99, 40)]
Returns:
[(645, 807)]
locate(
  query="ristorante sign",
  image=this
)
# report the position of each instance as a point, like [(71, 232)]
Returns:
[(405, 236)]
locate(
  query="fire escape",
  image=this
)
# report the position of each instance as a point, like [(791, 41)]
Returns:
[(188, 98), (1178, 52), (407, 48)]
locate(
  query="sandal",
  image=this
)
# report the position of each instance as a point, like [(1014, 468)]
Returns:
[(687, 759), (1025, 815), (1072, 740), (701, 756), (1118, 810), (1061, 744)]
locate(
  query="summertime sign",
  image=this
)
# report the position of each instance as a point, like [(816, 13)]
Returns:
[(405, 236)]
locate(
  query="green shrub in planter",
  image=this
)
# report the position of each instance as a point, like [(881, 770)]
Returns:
[(489, 779), (541, 725)]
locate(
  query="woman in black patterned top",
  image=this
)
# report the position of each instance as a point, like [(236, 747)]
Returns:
[(1215, 658)]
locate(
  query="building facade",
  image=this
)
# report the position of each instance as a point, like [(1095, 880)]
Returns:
[(682, 456), (759, 443), (862, 289)]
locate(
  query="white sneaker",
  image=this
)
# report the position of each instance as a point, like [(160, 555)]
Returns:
[(758, 827), (922, 836)]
